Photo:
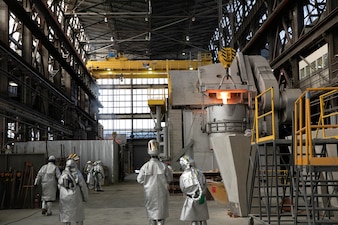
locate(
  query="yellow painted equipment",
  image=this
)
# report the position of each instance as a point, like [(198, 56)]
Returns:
[(305, 131), (122, 67), (226, 56)]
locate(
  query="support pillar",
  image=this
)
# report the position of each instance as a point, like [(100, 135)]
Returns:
[(4, 27)]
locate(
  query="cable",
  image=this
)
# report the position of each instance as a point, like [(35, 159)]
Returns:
[(23, 218)]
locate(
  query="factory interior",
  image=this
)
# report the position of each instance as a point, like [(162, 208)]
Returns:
[(248, 89)]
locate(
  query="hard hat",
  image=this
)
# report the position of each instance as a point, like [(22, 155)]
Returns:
[(51, 158), (186, 162), (74, 156), (89, 162), (153, 148)]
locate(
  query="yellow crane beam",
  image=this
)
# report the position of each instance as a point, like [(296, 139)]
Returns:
[(122, 67)]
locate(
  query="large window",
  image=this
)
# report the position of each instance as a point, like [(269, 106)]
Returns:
[(313, 63), (125, 105)]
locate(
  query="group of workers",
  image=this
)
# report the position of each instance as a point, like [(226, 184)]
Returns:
[(72, 188), (94, 175), (155, 176)]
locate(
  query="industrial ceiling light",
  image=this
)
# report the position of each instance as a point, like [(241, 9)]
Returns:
[(148, 36), (13, 84), (187, 38)]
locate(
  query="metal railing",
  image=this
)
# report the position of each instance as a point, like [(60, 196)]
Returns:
[(258, 134), (305, 131)]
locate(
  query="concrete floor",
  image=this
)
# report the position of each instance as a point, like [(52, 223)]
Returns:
[(119, 204)]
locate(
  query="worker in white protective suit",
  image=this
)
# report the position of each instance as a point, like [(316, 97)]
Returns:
[(193, 185), (155, 177), (88, 174), (98, 175), (73, 192), (48, 176)]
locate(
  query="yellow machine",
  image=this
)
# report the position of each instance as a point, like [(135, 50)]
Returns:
[(117, 67)]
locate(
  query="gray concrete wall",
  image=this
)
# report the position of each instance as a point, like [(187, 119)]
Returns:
[(175, 132)]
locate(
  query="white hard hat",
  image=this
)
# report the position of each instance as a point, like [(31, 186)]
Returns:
[(51, 158)]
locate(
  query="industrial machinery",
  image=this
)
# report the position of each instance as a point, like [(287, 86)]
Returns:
[(229, 95), (276, 165)]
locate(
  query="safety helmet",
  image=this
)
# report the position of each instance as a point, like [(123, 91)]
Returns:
[(51, 158), (153, 148), (186, 162), (74, 156)]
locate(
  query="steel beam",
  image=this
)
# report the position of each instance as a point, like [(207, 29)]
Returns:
[(124, 116), (23, 111), (17, 9), (314, 35), (26, 67)]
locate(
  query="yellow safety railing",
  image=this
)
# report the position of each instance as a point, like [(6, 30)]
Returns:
[(304, 129), (259, 136), (323, 99)]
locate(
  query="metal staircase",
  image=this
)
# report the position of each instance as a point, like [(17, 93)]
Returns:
[(296, 181), (269, 176), (316, 158), (317, 189), (270, 199)]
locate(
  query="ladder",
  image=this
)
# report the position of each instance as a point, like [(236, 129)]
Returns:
[(27, 187), (317, 189)]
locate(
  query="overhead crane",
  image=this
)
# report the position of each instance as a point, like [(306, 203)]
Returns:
[(117, 67)]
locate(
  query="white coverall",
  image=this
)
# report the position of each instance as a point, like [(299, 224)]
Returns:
[(73, 192), (195, 209), (98, 175), (48, 176), (155, 177), (88, 171)]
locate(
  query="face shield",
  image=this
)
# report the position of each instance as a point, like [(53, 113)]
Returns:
[(71, 165), (153, 148), (186, 162)]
